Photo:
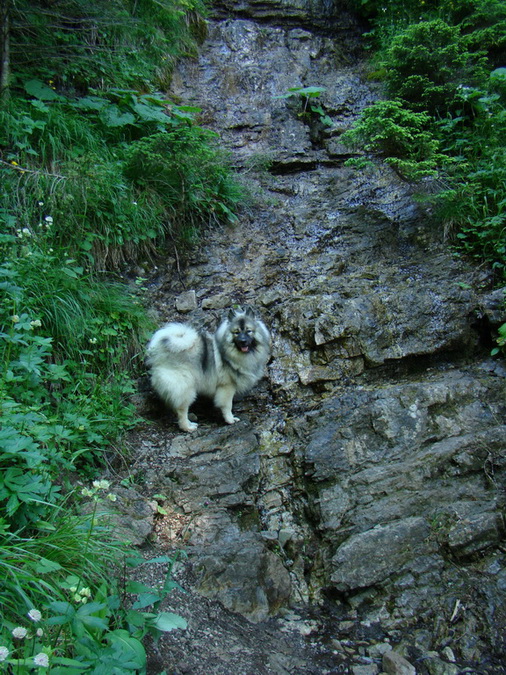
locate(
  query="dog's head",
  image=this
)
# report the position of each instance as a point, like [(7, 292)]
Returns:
[(242, 326)]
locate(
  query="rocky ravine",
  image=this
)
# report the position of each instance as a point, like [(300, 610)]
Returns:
[(358, 505)]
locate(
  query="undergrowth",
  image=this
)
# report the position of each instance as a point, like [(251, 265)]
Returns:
[(442, 64), (98, 169)]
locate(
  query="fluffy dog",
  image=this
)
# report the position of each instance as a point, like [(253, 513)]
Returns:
[(186, 362)]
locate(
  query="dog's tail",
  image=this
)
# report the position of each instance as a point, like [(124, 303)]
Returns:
[(175, 338)]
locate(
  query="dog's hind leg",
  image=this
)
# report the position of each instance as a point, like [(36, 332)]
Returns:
[(223, 400)]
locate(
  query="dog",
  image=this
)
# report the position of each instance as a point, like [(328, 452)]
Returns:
[(186, 362)]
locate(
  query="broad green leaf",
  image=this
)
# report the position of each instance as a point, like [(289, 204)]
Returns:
[(42, 91), (113, 117), (167, 621)]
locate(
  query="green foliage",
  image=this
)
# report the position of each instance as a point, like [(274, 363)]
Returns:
[(186, 169), (437, 60), (61, 609), (426, 64), (104, 43), (100, 210), (309, 108), (404, 137), (82, 104), (501, 341)]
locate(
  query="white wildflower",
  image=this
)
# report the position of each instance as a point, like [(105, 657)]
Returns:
[(4, 653), (41, 660), (112, 497), (36, 324), (101, 484), (48, 219), (40, 632), (35, 615), (15, 318), (19, 632)]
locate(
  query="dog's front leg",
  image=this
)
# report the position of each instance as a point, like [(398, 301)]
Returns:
[(223, 400)]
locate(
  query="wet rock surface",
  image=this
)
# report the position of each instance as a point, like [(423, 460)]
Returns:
[(352, 521)]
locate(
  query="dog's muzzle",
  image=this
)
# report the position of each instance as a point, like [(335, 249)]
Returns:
[(244, 343)]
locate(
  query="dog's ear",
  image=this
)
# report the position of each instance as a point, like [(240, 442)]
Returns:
[(249, 311), (233, 312)]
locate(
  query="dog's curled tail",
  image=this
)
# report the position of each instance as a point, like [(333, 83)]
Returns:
[(175, 338)]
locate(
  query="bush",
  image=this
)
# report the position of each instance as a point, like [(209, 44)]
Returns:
[(186, 169), (405, 138), (426, 64)]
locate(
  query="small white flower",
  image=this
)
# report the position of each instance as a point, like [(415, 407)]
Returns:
[(111, 497), (40, 632), (35, 324), (19, 632), (93, 341), (41, 660), (48, 219), (15, 318), (86, 492), (41, 203), (85, 592), (101, 484), (26, 232), (35, 615), (4, 653)]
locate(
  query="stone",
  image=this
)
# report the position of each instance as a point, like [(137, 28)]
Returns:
[(395, 664), (372, 556), (436, 666), (186, 302), (475, 533), (131, 515), (365, 669), (382, 441)]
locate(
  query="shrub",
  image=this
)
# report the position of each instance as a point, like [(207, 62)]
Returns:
[(426, 63), (186, 168), (405, 138)]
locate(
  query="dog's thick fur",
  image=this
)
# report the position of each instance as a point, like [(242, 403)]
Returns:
[(185, 362)]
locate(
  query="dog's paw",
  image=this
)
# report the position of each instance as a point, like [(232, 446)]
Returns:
[(189, 426), (232, 419)]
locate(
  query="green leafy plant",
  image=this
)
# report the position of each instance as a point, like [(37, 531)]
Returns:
[(63, 611), (308, 96), (439, 60), (186, 168), (426, 63), (501, 341), (402, 136)]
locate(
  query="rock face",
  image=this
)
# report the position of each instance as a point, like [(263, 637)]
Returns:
[(368, 466)]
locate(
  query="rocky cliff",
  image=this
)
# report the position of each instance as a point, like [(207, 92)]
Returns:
[(366, 476)]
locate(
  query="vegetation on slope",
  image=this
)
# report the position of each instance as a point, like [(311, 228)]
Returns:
[(443, 66), (97, 168)]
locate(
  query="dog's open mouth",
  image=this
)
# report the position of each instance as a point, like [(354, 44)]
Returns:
[(243, 346)]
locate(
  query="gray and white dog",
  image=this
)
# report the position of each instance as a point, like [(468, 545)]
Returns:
[(186, 362)]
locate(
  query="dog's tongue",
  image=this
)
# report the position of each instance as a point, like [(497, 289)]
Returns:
[(245, 348)]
